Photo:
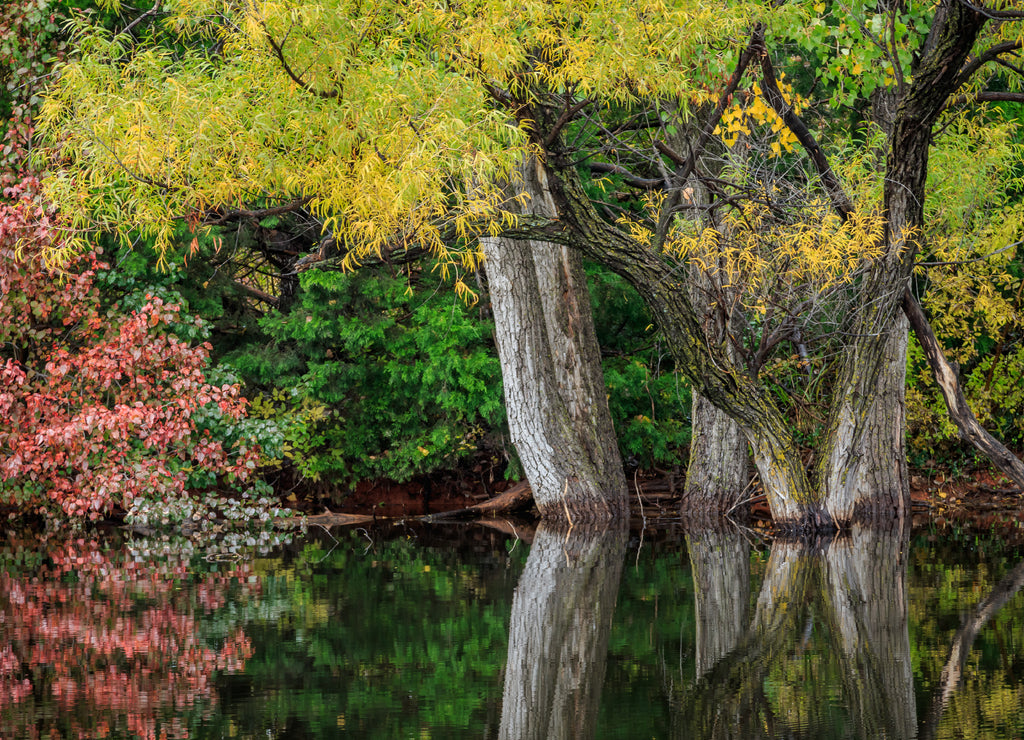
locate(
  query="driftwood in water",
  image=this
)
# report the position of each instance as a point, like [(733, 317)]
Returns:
[(516, 498)]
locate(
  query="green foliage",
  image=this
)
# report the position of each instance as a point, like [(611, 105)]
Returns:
[(974, 272), (375, 376), (648, 400)]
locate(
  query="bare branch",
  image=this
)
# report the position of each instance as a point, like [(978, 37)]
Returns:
[(628, 177), (568, 113), (216, 218), (946, 376), (996, 15), (773, 95)]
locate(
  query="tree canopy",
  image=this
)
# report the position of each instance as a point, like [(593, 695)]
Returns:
[(800, 157)]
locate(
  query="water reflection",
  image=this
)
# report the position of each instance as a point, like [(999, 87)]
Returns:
[(558, 634), (465, 632), (770, 679), (103, 641)]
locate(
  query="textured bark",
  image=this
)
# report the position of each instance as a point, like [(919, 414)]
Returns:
[(558, 634), (871, 362), (717, 476), (718, 469), (554, 390), (864, 475), (865, 588), (720, 560)]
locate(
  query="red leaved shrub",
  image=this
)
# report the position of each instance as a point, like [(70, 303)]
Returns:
[(96, 408)]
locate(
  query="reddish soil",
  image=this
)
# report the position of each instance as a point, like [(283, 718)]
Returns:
[(977, 501), (386, 499)]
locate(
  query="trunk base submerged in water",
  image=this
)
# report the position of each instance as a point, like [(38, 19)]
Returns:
[(554, 390)]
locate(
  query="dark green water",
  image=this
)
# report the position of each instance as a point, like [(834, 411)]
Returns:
[(463, 632)]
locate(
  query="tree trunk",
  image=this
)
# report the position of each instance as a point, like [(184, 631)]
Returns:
[(864, 476), (716, 476), (558, 634), (717, 473), (554, 390)]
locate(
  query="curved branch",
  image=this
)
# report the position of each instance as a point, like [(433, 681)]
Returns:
[(278, 50), (991, 54), (996, 15), (953, 394), (773, 95), (988, 97), (628, 177), (215, 218)]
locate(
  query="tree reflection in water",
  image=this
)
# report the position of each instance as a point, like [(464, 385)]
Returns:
[(769, 681), (100, 641), (558, 634)]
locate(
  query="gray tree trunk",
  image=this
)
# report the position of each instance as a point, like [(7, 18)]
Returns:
[(718, 470), (558, 634), (865, 476), (555, 394)]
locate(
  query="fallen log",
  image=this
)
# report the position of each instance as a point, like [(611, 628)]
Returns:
[(516, 498)]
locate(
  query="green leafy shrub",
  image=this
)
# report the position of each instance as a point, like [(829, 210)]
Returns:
[(375, 375)]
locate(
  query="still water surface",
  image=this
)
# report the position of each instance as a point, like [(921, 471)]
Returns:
[(461, 631)]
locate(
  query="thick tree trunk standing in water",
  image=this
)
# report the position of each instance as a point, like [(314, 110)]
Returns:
[(716, 476), (866, 478), (555, 394), (558, 634)]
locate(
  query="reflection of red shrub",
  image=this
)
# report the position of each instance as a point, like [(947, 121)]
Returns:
[(98, 645), (94, 409)]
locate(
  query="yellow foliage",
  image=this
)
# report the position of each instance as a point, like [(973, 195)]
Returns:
[(381, 117), (752, 251), (749, 111)]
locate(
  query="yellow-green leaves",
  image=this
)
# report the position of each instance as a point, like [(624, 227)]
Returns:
[(379, 113), (354, 110)]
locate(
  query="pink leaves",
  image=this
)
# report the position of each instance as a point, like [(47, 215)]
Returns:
[(97, 408)]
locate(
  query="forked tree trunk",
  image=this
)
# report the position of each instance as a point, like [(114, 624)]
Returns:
[(865, 474), (554, 390)]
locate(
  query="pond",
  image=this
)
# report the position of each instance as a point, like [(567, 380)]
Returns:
[(465, 631)]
